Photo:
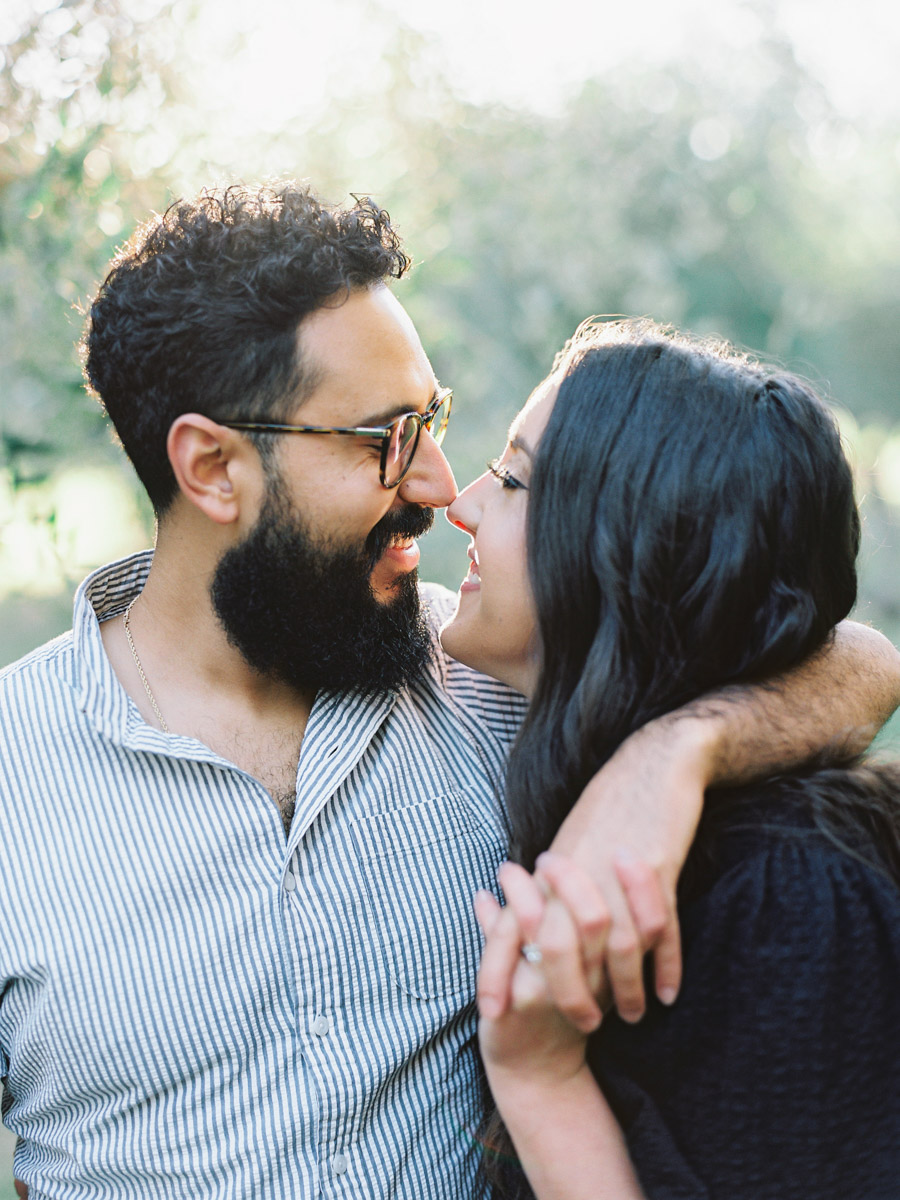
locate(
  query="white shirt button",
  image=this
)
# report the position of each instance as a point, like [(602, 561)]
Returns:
[(339, 1164), (321, 1026), (290, 881)]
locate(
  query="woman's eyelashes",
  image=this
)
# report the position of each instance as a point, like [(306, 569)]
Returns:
[(505, 476)]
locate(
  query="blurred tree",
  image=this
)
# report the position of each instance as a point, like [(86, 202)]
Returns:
[(723, 193), (79, 85)]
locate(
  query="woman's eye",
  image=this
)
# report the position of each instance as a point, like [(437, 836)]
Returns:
[(506, 478)]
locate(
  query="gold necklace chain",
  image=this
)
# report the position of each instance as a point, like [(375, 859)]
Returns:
[(137, 663)]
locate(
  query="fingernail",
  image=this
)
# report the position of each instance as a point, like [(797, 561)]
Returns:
[(668, 995), (632, 1016), (544, 859), (624, 855)]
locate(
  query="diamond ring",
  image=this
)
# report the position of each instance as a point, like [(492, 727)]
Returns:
[(531, 952)]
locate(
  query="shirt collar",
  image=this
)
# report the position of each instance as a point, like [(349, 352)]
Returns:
[(105, 594)]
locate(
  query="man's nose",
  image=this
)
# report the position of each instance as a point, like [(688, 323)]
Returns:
[(429, 480)]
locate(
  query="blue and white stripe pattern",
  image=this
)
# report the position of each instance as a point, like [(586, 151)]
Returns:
[(192, 1005)]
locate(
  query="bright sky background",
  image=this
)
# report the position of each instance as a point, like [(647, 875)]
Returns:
[(296, 51), (252, 68)]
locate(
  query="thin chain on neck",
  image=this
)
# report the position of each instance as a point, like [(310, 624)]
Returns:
[(137, 663)]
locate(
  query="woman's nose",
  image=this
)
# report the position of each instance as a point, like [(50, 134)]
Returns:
[(465, 511)]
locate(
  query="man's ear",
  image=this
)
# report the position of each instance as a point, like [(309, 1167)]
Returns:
[(213, 466)]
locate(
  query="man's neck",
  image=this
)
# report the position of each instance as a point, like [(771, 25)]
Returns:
[(202, 686)]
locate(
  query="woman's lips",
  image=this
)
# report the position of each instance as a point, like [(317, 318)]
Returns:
[(472, 581)]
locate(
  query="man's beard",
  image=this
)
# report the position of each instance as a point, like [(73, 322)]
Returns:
[(302, 610)]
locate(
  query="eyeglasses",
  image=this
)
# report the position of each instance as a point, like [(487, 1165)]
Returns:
[(399, 439)]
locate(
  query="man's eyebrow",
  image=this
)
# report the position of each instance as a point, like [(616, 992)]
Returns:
[(390, 414)]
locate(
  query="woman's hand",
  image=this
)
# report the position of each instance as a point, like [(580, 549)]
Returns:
[(563, 913), (568, 1142), (522, 1034)]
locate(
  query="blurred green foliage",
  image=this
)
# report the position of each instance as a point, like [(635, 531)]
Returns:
[(67, 190), (7, 1147)]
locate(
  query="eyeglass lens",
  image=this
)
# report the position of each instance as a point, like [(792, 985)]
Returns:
[(405, 437), (437, 423)]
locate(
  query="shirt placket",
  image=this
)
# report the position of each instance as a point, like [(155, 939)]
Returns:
[(339, 732)]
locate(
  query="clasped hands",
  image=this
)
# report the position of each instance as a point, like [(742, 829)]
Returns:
[(588, 960), (604, 895)]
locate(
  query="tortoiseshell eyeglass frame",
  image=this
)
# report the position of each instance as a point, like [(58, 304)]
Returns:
[(393, 454)]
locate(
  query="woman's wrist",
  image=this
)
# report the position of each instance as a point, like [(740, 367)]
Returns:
[(524, 1097), (530, 1083), (568, 1141)]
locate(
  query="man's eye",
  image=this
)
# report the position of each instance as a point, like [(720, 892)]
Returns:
[(506, 478)]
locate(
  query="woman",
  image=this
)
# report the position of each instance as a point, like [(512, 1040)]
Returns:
[(669, 517)]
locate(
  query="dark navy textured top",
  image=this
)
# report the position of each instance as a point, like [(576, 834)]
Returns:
[(776, 1074)]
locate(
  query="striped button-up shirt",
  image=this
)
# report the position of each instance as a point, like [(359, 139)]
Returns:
[(194, 1005)]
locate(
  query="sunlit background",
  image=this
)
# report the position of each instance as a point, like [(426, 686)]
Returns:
[(730, 167)]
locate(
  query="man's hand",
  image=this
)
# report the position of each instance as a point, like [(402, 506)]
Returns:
[(631, 829), (607, 885), (613, 870)]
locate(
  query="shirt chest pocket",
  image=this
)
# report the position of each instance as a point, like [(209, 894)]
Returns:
[(421, 866)]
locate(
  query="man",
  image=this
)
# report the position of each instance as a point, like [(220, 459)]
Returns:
[(245, 803)]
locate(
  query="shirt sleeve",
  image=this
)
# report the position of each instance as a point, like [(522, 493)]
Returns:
[(776, 1075)]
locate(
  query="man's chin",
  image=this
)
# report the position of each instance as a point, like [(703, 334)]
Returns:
[(395, 591), (395, 571)]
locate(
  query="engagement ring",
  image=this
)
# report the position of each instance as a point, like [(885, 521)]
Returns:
[(532, 953)]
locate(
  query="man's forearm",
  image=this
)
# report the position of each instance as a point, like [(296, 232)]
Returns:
[(830, 706), (648, 797)]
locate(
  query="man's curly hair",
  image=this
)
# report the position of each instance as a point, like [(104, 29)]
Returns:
[(200, 311)]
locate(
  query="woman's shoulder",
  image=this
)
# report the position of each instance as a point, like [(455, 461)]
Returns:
[(775, 1072), (829, 830)]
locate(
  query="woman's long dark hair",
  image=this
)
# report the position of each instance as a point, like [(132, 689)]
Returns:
[(691, 523)]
